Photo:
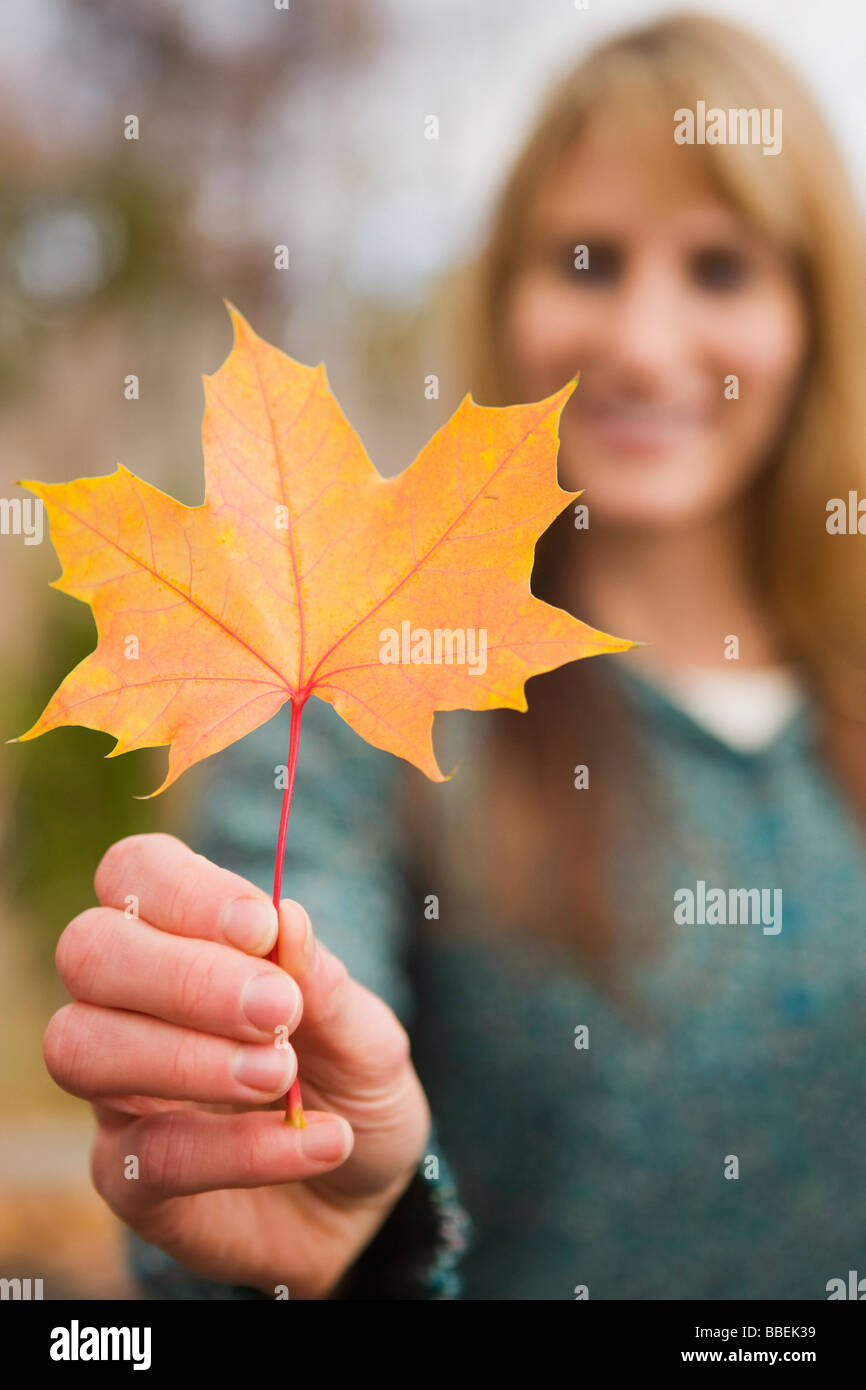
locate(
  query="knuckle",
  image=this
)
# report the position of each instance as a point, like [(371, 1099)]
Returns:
[(183, 1066), (250, 1157), (108, 1159), (196, 984), (101, 1166), (114, 863), (82, 940), (123, 855), (393, 1047), (183, 894), (62, 1044), (166, 1149), (384, 1053)]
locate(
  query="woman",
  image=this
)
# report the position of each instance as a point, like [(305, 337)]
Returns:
[(639, 1095)]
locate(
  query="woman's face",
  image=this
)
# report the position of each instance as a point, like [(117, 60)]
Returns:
[(680, 294)]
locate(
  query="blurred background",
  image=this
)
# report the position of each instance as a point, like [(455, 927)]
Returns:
[(258, 128)]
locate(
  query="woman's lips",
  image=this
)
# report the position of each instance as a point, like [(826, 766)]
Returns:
[(640, 429)]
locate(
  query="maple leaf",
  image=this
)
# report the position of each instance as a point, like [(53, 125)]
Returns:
[(303, 565)]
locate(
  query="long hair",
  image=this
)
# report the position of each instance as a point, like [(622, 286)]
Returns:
[(539, 844)]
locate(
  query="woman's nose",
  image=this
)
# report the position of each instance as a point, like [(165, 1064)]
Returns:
[(648, 327)]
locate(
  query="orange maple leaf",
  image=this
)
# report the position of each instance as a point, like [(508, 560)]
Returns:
[(305, 572)]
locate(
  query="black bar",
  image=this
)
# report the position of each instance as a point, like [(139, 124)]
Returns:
[(260, 1338)]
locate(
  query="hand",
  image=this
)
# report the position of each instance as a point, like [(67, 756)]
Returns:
[(178, 1036)]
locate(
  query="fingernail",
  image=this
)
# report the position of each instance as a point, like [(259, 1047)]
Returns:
[(311, 946), (308, 949), (327, 1143), (250, 924), (270, 999), (265, 1068), (308, 941)]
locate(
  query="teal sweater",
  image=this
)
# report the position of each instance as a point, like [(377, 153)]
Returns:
[(713, 1150)]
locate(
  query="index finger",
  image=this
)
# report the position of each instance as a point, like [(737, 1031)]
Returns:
[(160, 879)]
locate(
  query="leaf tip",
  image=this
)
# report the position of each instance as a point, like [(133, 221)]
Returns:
[(148, 796), (33, 732), (239, 323)]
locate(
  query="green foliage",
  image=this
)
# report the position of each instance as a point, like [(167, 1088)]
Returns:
[(67, 804)]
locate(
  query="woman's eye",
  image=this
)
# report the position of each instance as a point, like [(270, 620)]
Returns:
[(719, 268)]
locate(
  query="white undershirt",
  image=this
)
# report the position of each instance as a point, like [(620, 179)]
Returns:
[(745, 709)]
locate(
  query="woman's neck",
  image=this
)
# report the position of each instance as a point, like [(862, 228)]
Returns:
[(684, 592)]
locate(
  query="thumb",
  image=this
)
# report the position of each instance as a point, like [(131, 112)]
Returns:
[(296, 948), (345, 1029)]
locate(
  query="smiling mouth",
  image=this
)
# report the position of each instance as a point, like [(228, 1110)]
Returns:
[(638, 427)]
